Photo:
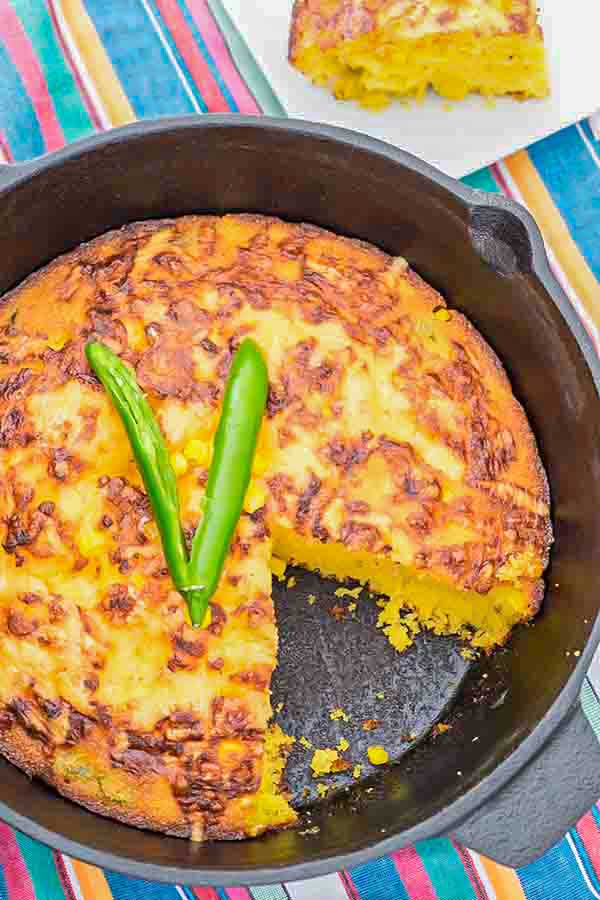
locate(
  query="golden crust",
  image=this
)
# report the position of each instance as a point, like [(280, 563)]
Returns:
[(26, 752), (330, 22), (391, 429)]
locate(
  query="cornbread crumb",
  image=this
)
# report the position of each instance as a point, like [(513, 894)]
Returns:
[(340, 765), (441, 728), (336, 714), (370, 724), (291, 582), (357, 770), (380, 695), (278, 567), (338, 612), (322, 789), (378, 756), (278, 708), (311, 599), (304, 742), (348, 592), (322, 761), (343, 745), (399, 626)]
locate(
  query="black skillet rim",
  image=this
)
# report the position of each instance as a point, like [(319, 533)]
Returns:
[(459, 810)]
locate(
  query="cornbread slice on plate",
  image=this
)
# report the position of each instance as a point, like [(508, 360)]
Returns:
[(393, 452), (374, 50)]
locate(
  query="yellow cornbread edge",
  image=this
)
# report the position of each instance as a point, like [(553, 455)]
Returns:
[(377, 67), (269, 806), (416, 600)]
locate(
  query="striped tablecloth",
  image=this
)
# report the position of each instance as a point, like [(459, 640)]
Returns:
[(71, 67)]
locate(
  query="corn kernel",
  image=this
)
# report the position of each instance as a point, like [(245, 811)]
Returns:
[(151, 531), (378, 756), (198, 452), (255, 498), (229, 748), (57, 343), (179, 463), (136, 336), (262, 457), (261, 464), (442, 314), (90, 542), (322, 761)]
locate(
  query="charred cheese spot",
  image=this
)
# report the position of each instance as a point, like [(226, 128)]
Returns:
[(386, 456)]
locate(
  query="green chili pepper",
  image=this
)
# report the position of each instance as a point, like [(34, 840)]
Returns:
[(229, 474), (235, 444), (150, 453)]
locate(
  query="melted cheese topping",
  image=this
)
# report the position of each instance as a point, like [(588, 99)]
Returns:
[(393, 452)]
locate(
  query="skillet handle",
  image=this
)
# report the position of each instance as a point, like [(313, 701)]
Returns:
[(542, 802)]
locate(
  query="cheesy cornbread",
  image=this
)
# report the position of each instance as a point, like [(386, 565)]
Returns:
[(393, 452), (374, 50)]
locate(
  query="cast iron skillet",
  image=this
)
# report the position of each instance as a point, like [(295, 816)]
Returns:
[(520, 763)]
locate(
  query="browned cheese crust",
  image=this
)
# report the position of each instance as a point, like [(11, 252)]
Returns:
[(326, 23), (391, 429)]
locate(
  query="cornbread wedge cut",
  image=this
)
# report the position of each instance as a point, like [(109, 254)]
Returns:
[(393, 452), (374, 50)]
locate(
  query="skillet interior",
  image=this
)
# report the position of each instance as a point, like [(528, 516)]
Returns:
[(351, 190)]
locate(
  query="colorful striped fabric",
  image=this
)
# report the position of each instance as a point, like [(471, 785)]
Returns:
[(71, 67)]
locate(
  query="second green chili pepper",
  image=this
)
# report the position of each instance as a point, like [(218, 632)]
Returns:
[(229, 474)]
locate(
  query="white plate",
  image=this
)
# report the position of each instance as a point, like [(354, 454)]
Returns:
[(471, 134)]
